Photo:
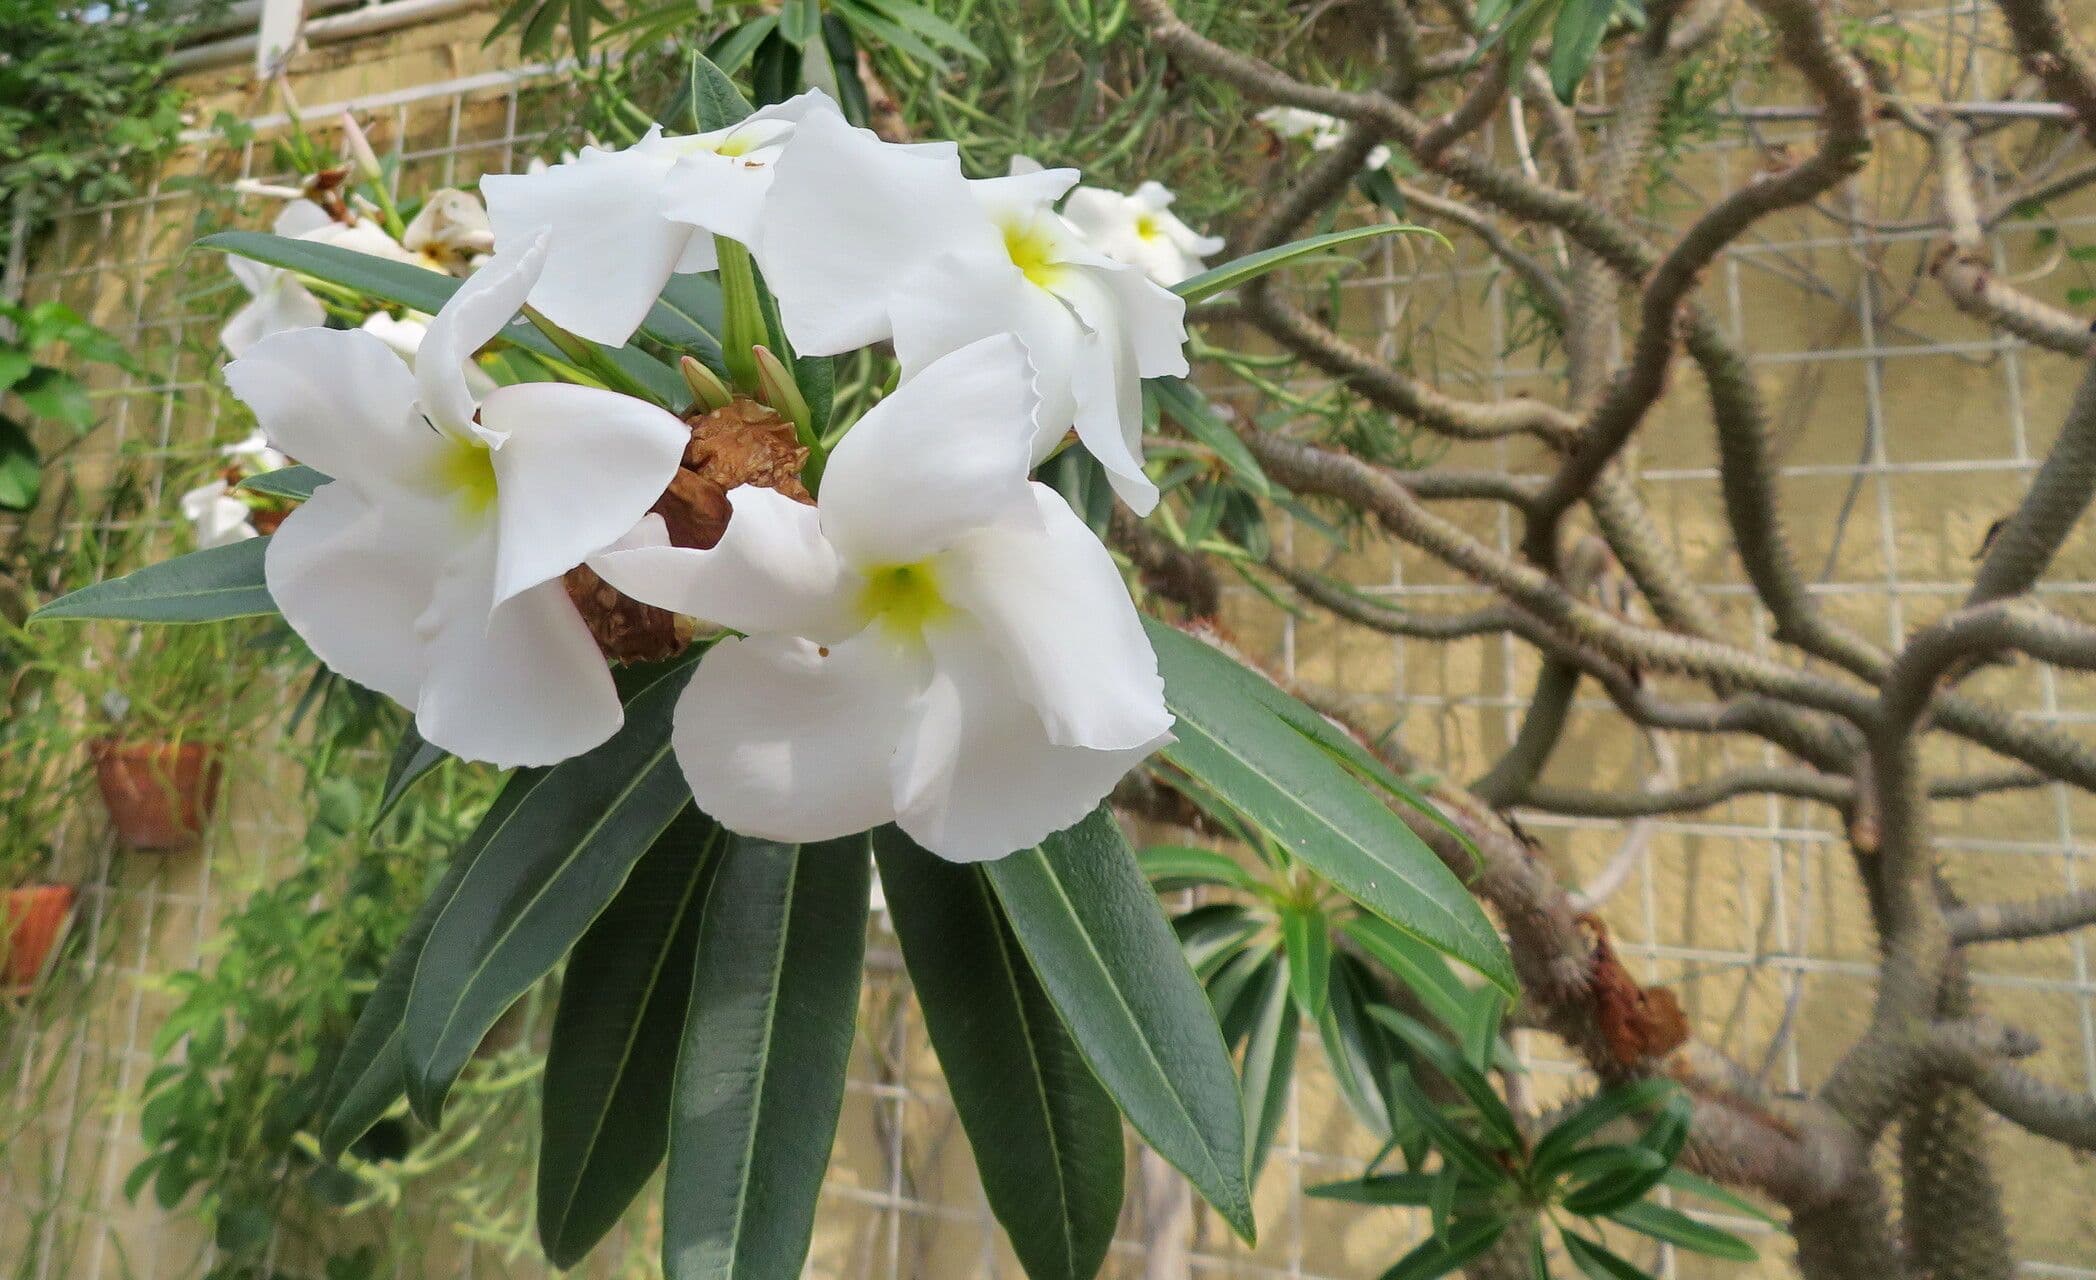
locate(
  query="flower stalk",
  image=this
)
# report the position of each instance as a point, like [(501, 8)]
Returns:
[(743, 310)]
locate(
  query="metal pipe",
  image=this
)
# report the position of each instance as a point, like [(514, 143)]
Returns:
[(368, 20)]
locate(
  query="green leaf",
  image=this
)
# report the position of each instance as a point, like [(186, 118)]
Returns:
[(21, 467), (1306, 935), (1682, 1180), (1418, 966), (1046, 1137), (1179, 866), (1209, 934), (1187, 407), (15, 365), (715, 101), (1574, 41), (927, 23), (1408, 1189), (1596, 1261), (1358, 1050), (799, 21), (1556, 1146), (413, 758), (735, 46), (57, 395), (605, 1104), (1663, 1137), (1102, 948), (1457, 1147), (1253, 265), (559, 858), (1269, 1063), (203, 586), (297, 482), (1498, 1120), (1677, 1228), (1232, 737), (760, 1078), (1440, 1254), (422, 290), (371, 1075), (688, 318)]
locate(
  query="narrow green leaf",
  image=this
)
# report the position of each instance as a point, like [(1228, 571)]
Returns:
[(1187, 407), (297, 481), (560, 856), (1102, 948), (1269, 1063), (1458, 1148), (1663, 1137), (1210, 933), (1418, 966), (1693, 1184), (1574, 41), (413, 758), (1596, 1261), (1306, 936), (605, 1103), (1408, 1189), (1253, 265), (799, 21), (760, 1077), (1556, 1146), (1438, 1053), (203, 586), (1232, 739), (1677, 1228), (1438, 1255), (1358, 1050), (1179, 866), (21, 467), (371, 1074), (1046, 1137)]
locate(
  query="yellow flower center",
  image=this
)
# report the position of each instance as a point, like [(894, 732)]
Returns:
[(467, 471), (903, 598), (1033, 251), (735, 144), (1146, 226)]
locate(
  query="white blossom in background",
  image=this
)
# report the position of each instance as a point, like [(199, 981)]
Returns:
[(216, 517), (864, 241), (941, 643), (404, 335), (449, 233), (1141, 230), (1322, 131), (428, 568), (625, 221), (277, 302)]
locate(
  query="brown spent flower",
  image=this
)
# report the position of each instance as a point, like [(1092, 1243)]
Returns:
[(743, 443)]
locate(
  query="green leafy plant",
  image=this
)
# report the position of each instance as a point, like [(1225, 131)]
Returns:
[(1490, 1179), (47, 387)]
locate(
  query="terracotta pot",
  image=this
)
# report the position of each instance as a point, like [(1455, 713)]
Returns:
[(160, 794), (35, 918)]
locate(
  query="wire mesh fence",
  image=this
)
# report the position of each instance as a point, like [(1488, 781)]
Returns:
[(1906, 430)]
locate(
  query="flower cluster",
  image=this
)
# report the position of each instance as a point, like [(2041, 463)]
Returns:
[(931, 638)]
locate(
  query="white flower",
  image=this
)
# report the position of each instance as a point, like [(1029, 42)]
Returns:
[(624, 222), (277, 302), (1323, 131), (428, 569), (253, 456), (215, 516), (450, 233), (404, 337), (863, 240), (941, 643), (1141, 231)]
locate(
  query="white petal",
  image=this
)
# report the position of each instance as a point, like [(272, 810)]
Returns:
[(216, 518), (611, 249), (300, 217), (366, 237), (280, 305), (480, 309), (956, 300), (1100, 215), (1052, 602), (788, 741), (1023, 195), (977, 777), (723, 194), (849, 217), (523, 684), (946, 454), (1106, 381), (771, 572), (578, 466), (339, 401), (352, 578)]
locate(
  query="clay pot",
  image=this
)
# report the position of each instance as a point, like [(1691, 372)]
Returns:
[(34, 919), (160, 794)]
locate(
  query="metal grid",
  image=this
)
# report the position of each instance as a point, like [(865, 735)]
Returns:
[(900, 1201)]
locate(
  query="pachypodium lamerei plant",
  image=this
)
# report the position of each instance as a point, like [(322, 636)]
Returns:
[(742, 645)]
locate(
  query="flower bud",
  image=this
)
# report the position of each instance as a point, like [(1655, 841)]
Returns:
[(360, 152), (781, 392), (707, 390)]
